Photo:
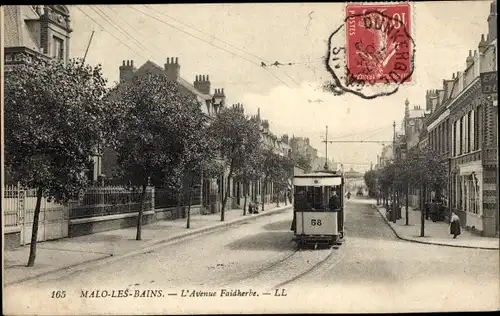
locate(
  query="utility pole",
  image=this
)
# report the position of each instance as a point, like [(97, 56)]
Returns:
[(393, 184), (407, 189), (326, 149), (88, 46)]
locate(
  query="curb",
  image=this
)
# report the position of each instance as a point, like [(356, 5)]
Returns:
[(94, 263), (428, 242)]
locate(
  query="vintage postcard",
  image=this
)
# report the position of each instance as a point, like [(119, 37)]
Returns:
[(250, 158)]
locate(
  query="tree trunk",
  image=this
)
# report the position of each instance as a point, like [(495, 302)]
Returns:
[(245, 192), (226, 195), (422, 213), (190, 194), (407, 193), (277, 199), (141, 212), (34, 230), (394, 203), (264, 187)]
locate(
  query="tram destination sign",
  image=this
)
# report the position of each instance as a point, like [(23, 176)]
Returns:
[(489, 82)]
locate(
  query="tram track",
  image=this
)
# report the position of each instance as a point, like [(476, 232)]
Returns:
[(310, 269), (265, 269), (276, 265)]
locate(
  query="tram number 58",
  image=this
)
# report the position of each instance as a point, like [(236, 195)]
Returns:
[(316, 222)]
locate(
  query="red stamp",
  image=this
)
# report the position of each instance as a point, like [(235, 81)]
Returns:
[(379, 47)]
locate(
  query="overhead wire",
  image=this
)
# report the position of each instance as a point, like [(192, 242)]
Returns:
[(204, 33), (113, 23), (218, 39), (358, 133), (103, 28), (134, 28)]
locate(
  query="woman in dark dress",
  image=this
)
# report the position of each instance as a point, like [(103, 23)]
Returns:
[(455, 225)]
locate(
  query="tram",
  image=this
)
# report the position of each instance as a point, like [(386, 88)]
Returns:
[(319, 218)]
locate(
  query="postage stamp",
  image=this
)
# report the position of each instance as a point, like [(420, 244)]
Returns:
[(378, 42), (375, 53)]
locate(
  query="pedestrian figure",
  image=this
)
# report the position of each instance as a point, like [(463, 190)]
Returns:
[(455, 225), (253, 208), (334, 201)]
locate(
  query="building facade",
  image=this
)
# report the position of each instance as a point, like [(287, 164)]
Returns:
[(302, 147), (35, 30), (462, 129)]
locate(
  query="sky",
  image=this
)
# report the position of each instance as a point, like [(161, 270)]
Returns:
[(228, 42)]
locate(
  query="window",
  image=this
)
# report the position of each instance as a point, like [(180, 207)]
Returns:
[(453, 140), (476, 128), (468, 131), (57, 48), (462, 135), (471, 194), (448, 143), (316, 198)]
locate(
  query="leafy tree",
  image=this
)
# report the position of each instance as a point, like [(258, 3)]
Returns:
[(154, 138), (370, 178), (55, 117), (237, 138), (200, 158), (275, 169), (421, 168), (303, 161), (249, 172), (426, 170)]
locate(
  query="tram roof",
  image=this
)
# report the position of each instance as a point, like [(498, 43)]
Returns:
[(320, 174)]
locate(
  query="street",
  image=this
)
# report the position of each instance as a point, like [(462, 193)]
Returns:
[(371, 272)]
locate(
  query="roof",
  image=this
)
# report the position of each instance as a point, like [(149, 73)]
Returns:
[(17, 32), (352, 173), (320, 174), (180, 80), (416, 113)]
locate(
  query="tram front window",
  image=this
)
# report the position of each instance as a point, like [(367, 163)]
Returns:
[(309, 198)]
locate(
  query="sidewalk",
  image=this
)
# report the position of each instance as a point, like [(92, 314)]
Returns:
[(436, 233), (95, 249)]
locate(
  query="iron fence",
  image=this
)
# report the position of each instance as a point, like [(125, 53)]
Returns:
[(110, 200), (167, 197)]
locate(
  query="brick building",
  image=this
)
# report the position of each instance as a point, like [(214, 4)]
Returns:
[(302, 146), (462, 130), (210, 102), (36, 30)]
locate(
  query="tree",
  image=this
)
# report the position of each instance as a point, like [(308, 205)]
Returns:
[(426, 170), (201, 159), (155, 133), (249, 172), (370, 178), (303, 161), (55, 118), (275, 169), (237, 137)]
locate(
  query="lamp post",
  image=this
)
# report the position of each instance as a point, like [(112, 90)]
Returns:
[(393, 183), (449, 189)]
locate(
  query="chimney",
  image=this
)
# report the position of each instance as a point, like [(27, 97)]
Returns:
[(482, 44), (127, 70), (469, 60), (492, 22), (202, 84), (172, 68)]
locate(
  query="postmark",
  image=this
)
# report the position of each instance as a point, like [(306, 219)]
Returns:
[(372, 53)]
